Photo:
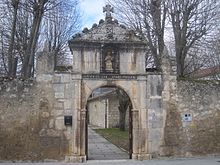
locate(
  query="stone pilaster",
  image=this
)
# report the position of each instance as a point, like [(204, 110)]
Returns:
[(79, 153), (140, 137), (135, 132), (83, 134)]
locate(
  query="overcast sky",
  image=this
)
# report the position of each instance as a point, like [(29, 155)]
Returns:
[(92, 12)]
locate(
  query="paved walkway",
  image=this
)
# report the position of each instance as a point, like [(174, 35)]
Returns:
[(101, 149)]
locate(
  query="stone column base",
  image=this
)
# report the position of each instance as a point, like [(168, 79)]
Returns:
[(141, 156), (75, 159)]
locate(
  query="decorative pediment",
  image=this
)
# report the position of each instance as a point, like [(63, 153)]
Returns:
[(108, 48), (108, 30)]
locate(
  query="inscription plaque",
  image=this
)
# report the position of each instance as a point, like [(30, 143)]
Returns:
[(110, 76)]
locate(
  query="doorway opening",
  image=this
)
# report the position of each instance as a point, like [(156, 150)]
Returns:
[(108, 124)]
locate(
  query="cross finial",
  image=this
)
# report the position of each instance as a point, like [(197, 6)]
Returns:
[(108, 9)]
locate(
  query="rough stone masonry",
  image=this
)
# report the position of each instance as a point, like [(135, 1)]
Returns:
[(169, 117)]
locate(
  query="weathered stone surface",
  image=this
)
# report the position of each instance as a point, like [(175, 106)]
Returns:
[(26, 125), (45, 63), (200, 135), (59, 123), (103, 111)]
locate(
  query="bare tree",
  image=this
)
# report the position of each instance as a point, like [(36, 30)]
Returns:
[(124, 105), (12, 60), (148, 18), (58, 27), (191, 20), (214, 56), (38, 9), (21, 30)]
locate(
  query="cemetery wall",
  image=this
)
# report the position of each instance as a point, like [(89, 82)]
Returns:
[(193, 120), (187, 123), (29, 126)]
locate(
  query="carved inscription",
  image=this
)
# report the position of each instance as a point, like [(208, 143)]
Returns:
[(109, 76)]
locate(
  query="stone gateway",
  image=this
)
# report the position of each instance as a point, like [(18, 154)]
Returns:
[(116, 61), (169, 117)]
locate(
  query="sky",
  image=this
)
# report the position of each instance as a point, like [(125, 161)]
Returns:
[(92, 12)]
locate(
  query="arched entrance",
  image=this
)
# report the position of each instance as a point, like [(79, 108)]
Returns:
[(138, 130), (113, 56), (109, 112)]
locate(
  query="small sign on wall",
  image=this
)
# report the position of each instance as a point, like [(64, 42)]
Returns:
[(68, 120), (187, 117)]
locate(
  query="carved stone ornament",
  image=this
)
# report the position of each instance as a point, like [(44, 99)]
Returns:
[(110, 60)]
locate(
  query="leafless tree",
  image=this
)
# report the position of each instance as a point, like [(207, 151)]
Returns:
[(9, 11), (214, 55), (124, 105), (12, 60), (38, 7), (148, 18), (191, 21), (58, 27), (22, 28)]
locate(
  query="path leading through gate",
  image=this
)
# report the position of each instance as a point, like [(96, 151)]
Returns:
[(101, 149)]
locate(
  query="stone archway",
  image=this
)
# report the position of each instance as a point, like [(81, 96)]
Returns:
[(110, 55), (106, 115), (135, 91)]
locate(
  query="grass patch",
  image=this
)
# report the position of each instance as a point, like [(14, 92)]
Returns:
[(115, 136)]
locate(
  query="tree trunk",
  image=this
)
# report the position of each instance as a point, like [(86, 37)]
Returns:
[(123, 106), (14, 66), (30, 52), (12, 61), (122, 116)]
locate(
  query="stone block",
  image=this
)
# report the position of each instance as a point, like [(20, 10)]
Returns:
[(68, 112), (67, 104), (59, 88), (52, 133), (155, 84), (56, 79), (59, 123), (75, 159), (57, 113), (68, 134), (45, 114), (45, 63), (59, 95), (59, 105), (155, 135), (69, 90), (51, 123), (158, 123), (156, 104), (44, 78), (65, 78)]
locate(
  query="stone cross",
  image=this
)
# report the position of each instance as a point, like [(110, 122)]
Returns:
[(108, 9)]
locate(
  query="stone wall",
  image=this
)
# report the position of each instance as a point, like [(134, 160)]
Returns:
[(99, 106), (28, 126), (155, 112), (97, 110), (193, 123), (32, 118), (113, 112)]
